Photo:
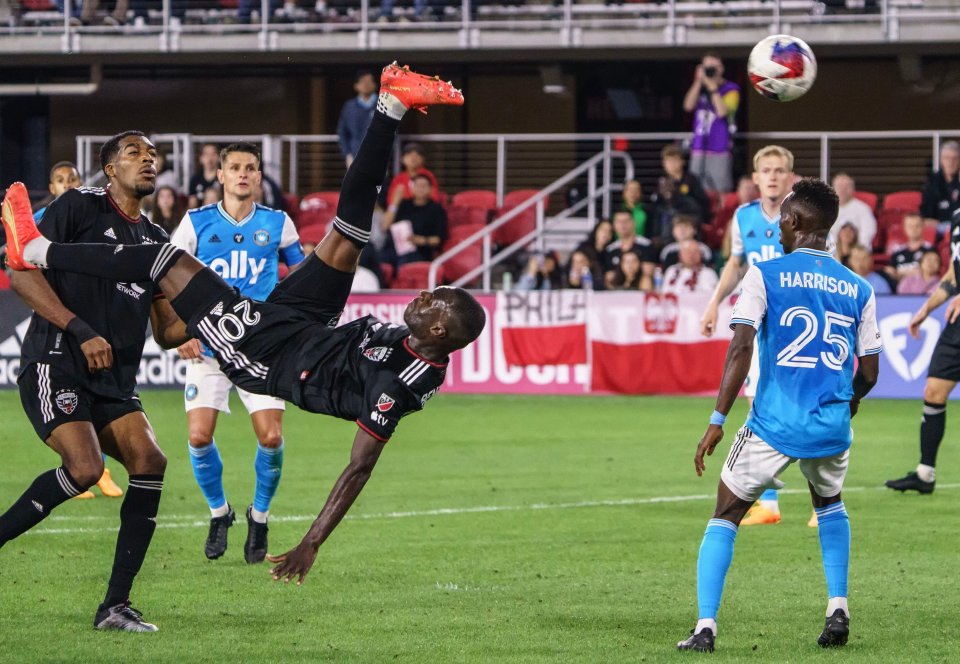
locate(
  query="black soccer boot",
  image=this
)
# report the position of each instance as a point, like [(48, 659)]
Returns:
[(255, 548), (122, 617), (835, 630), (702, 641), (216, 544), (911, 482)]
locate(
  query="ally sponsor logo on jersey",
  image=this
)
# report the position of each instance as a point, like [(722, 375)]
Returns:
[(766, 253), (240, 266)]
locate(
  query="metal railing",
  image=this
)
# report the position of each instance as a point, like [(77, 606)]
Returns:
[(468, 25), (601, 193)]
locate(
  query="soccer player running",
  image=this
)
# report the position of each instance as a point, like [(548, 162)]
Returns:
[(367, 370), (80, 359), (810, 315), (64, 176), (942, 376), (754, 238), (243, 242)]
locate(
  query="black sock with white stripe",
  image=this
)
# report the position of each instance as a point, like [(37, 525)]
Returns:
[(361, 185), (117, 262), (47, 491), (137, 522)]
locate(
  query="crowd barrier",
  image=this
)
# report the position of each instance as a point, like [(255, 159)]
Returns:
[(588, 343)]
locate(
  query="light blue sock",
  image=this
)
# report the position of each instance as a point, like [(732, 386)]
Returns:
[(268, 465), (834, 526), (208, 470), (769, 494), (716, 554)]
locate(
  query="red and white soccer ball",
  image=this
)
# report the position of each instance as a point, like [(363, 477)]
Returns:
[(782, 67)]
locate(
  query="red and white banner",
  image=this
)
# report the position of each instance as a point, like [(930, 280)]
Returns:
[(544, 327)]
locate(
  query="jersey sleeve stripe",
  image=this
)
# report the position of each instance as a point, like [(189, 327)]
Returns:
[(873, 351), (367, 429)]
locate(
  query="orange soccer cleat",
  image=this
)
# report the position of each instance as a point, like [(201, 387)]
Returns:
[(19, 225), (416, 91), (107, 486), (760, 516), (86, 495), (813, 522)]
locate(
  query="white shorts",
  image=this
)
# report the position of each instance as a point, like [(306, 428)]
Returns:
[(208, 387), (753, 376), (753, 466)]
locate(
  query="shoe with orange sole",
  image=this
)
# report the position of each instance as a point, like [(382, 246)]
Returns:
[(813, 523), (107, 486), (86, 495), (417, 91), (19, 224), (760, 516)]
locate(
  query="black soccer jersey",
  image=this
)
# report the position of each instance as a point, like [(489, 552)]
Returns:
[(119, 312), (364, 371)]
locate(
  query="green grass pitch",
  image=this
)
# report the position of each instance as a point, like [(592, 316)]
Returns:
[(495, 529)]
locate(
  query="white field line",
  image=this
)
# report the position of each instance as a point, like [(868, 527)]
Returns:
[(191, 520)]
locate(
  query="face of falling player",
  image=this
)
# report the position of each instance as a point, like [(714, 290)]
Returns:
[(240, 175), (773, 178), (134, 169), (64, 179)]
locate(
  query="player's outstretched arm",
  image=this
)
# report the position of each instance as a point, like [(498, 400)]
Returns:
[(948, 288), (37, 294), (728, 281), (735, 371), (168, 330), (295, 564)]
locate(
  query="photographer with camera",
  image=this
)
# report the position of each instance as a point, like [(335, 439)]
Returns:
[(713, 100)]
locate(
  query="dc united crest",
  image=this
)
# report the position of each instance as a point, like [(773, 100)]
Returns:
[(67, 401), (378, 353), (261, 238), (385, 402)]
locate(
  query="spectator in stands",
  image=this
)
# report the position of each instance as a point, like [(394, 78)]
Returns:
[(677, 191), (629, 274), (847, 239), (414, 164), (747, 190), (420, 227), (861, 262), (684, 228), (713, 100), (633, 203), (852, 211), (925, 280), (272, 195), (628, 242), (905, 258), (422, 9), (941, 194), (212, 194), (356, 114), (165, 175), (542, 273), (207, 175), (167, 209), (64, 176), (689, 275), (583, 273), (595, 246)]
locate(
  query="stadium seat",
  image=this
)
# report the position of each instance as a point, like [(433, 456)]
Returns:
[(713, 233), (730, 200), (443, 198), (867, 197), (39, 6), (312, 234), (459, 215), (520, 225), (386, 269), (282, 270), (714, 197), (318, 208), (476, 198), (908, 201), (292, 206), (4, 280), (466, 260), (412, 276), (888, 221)]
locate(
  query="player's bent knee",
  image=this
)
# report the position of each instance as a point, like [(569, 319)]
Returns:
[(200, 437), (937, 391), (272, 439), (151, 461), (86, 473)]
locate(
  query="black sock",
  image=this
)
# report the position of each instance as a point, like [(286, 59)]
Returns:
[(137, 523), (117, 262), (47, 491), (361, 184), (931, 431)]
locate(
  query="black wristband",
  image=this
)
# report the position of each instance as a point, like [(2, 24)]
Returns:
[(80, 330), (948, 288)]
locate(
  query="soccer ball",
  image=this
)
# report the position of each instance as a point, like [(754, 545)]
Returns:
[(782, 67)]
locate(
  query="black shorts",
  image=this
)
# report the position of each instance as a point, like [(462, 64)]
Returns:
[(52, 396), (251, 338), (945, 363)]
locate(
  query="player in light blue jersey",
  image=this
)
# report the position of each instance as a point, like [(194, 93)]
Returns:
[(811, 316), (242, 242), (754, 238)]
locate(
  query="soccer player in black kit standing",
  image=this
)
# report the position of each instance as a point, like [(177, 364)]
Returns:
[(366, 371), (80, 359)]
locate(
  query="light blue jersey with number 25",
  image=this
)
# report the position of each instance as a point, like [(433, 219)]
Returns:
[(812, 315)]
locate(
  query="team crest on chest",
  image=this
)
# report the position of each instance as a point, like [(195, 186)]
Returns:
[(377, 353), (385, 402), (67, 401), (261, 238)]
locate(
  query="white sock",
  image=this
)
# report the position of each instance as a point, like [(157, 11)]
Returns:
[(924, 472), (772, 505), (391, 106), (705, 623), (258, 516), (837, 603), (223, 510), (35, 252)]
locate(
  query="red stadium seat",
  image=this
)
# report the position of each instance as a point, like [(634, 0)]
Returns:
[(520, 225), (386, 269), (443, 198), (730, 200), (714, 197), (292, 206), (38, 5), (459, 215), (468, 258), (4, 280), (412, 276), (714, 233), (318, 209), (867, 197), (908, 201), (312, 234), (888, 222), (476, 198)]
